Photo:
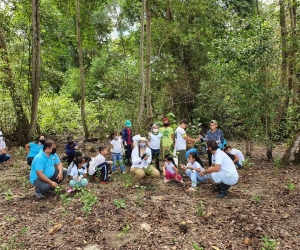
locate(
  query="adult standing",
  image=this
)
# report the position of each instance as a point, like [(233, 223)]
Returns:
[(128, 141), (3, 151), (70, 149), (46, 170), (180, 141), (33, 148), (167, 137), (222, 171)]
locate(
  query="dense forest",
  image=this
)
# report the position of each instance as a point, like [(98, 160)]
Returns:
[(84, 67)]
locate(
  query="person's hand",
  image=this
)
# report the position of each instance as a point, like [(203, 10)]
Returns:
[(202, 173), (76, 147), (80, 177), (183, 167), (59, 177), (146, 158), (75, 178), (110, 162), (3, 151), (199, 137), (54, 184)]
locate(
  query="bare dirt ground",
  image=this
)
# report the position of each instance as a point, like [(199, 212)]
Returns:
[(263, 204)]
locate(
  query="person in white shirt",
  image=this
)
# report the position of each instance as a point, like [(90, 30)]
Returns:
[(180, 141), (3, 152), (78, 174), (238, 156), (141, 159), (193, 169), (116, 152), (100, 165), (154, 143), (222, 171), (170, 170)]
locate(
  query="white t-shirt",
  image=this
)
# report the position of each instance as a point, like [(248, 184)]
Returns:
[(117, 146), (180, 141), (76, 172), (137, 162), (2, 144), (136, 140), (225, 161), (237, 152), (169, 167), (155, 140), (99, 159), (195, 165)]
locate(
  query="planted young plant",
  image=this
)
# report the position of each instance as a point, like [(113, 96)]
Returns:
[(88, 199), (125, 230), (247, 162), (257, 198), (196, 247), (120, 203), (8, 195), (277, 164), (58, 189), (269, 244), (65, 199), (127, 180), (290, 186), (200, 210)]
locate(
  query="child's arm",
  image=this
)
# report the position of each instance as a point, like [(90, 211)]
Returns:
[(176, 173), (183, 167)]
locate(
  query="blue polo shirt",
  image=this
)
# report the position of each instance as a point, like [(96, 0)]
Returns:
[(42, 162), (35, 148)]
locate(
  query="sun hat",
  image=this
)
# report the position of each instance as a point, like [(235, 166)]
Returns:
[(142, 139)]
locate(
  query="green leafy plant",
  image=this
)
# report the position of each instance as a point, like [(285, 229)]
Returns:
[(125, 230), (24, 230), (88, 199), (10, 218), (257, 198), (127, 180), (8, 195), (290, 186), (120, 203), (268, 244), (58, 189), (139, 199), (277, 164), (65, 199), (21, 153), (196, 247), (200, 210), (247, 162)]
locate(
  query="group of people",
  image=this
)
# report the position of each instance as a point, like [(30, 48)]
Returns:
[(47, 169)]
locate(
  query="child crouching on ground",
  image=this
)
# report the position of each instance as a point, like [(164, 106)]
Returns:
[(170, 171), (193, 169), (78, 174)]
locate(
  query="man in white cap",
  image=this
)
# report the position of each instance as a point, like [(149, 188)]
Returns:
[(3, 155)]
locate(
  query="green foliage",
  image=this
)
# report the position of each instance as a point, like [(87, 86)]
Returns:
[(127, 180), (58, 189), (120, 203), (125, 230), (257, 198), (290, 186), (8, 195), (65, 199), (200, 209), (268, 244), (196, 247), (88, 199), (247, 162), (277, 164)]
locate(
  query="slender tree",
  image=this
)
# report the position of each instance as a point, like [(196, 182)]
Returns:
[(79, 49)]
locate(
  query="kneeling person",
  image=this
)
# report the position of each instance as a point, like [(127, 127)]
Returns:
[(222, 171), (43, 174), (78, 174), (100, 165)]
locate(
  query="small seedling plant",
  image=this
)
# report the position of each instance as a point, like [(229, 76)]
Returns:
[(268, 244), (58, 189), (200, 209), (120, 203), (8, 195), (65, 199), (88, 199), (277, 164), (125, 230), (127, 181), (247, 162), (257, 198), (196, 247), (290, 186)]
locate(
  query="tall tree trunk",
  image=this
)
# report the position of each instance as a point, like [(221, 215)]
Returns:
[(36, 67), (142, 77), (148, 67), (284, 66), (22, 121), (79, 49)]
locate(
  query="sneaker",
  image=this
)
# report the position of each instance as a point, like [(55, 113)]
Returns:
[(107, 181), (70, 190), (38, 195), (166, 180)]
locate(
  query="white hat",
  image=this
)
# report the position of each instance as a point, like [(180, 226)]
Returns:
[(142, 139), (1, 133)]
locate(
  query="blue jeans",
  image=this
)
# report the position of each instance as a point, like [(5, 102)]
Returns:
[(195, 177), (4, 158), (42, 187), (117, 160)]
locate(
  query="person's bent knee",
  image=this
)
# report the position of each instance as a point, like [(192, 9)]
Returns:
[(154, 172), (72, 183), (139, 174), (84, 182)]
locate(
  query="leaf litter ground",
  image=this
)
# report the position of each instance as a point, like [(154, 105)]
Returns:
[(260, 205)]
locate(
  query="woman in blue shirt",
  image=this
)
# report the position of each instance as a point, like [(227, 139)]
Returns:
[(33, 148)]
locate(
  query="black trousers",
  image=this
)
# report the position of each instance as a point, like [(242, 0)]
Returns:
[(103, 169), (209, 154), (128, 151)]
